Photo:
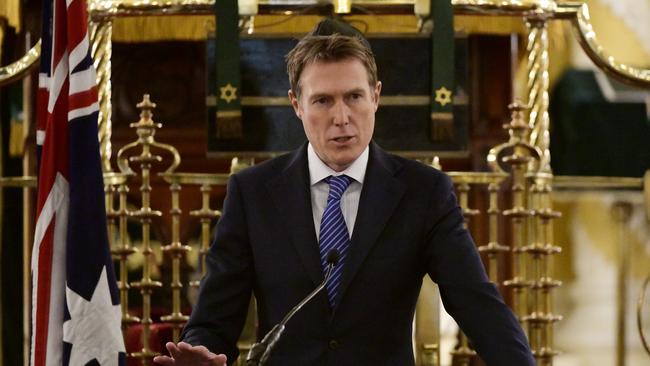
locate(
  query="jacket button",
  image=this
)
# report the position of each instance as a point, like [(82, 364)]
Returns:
[(333, 344)]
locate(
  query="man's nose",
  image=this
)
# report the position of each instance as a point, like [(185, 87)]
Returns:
[(341, 114)]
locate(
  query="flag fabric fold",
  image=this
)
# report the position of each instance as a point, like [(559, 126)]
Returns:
[(76, 318)]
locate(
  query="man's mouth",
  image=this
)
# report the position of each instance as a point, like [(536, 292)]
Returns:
[(342, 139)]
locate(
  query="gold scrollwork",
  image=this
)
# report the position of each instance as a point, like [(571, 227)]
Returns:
[(18, 69), (589, 42)]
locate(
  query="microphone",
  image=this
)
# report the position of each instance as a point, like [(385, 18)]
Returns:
[(260, 352)]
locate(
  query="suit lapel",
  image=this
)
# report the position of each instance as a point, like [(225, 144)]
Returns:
[(292, 199), (380, 196)]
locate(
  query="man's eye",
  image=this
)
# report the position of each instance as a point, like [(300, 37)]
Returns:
[(320, 101)]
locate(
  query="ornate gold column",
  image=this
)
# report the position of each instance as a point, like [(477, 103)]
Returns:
[(102, 50), (540, 249), (537, 88)]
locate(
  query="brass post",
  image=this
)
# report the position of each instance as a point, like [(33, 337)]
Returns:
[(146, 285), (532, 318), (111, 214), (464, 353), (493, 247), (540, 250), (122, 252), (537, 88), (621, 212), (145, 129), (177, 251), (522, 154), (28, 217), (206, 216), (102, 50), (2, 195)]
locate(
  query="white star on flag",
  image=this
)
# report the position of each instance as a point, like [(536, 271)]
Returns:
[(94, 327)]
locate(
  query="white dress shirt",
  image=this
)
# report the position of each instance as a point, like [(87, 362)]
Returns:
[(318, 171)]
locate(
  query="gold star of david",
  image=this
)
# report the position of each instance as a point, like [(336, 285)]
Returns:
[(228, 93), (443, 96)]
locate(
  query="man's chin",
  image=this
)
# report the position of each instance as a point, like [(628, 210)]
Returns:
[(341, 163)]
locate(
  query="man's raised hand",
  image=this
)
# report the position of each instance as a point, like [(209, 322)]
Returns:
[(184, 354)]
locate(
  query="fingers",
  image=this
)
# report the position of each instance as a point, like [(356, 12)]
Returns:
[(164, 361), (219, 360), (173, 348), (186, 354)]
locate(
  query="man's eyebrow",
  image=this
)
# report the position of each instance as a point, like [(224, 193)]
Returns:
[(318, 96), (326, 95), (356, 91)]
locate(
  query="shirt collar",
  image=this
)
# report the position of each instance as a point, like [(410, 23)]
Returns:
[(318, 170)]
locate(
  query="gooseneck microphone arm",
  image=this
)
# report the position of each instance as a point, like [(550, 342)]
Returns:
[(260, 352)]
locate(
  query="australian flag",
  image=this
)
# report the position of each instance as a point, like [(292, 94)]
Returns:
[(76, 316)]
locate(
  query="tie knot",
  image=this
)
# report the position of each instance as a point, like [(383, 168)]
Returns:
[(338, 185)]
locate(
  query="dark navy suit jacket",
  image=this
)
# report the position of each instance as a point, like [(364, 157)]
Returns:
[(408, 225)]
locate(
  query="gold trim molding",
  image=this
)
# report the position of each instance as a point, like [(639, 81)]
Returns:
[(576, 12)]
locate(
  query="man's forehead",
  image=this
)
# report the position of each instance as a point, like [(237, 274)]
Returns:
[(320, 74)]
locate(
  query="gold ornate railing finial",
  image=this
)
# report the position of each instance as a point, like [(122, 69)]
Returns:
[(519, 131), (146, 130)]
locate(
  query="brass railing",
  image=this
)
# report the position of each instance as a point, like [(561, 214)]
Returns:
[(530, 212)]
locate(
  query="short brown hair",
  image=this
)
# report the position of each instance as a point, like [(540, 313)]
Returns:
[(331, 48)]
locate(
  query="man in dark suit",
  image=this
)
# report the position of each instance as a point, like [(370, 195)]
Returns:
[(391, 220)]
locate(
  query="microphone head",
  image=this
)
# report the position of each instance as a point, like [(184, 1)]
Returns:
[(333, 257)]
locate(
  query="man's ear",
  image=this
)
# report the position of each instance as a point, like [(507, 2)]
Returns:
[(294, 103), (376, 94)]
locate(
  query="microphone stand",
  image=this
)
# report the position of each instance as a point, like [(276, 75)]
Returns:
[(260, 352)]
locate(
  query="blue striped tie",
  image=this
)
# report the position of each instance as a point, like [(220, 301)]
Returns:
[(334, 232)]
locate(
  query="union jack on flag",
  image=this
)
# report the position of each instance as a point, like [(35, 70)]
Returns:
[(75, 303)]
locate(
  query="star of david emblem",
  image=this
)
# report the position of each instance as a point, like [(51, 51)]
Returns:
[(228, 93), (443, 96)]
